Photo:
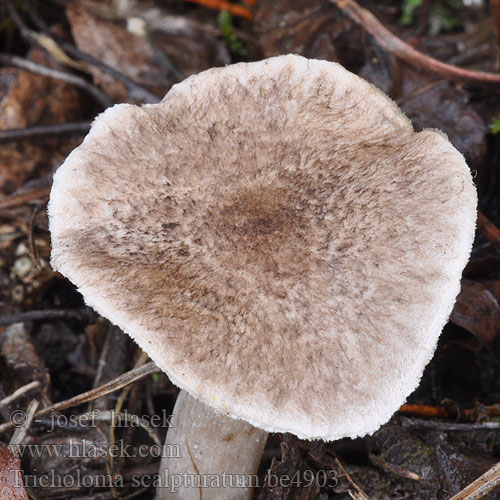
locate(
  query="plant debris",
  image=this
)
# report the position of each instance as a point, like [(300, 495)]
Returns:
[(78, 400)]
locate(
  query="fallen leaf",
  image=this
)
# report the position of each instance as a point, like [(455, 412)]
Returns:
[(446, 108), (283, 479), (430, 103), (29, 100), (432, 463), (113, 45), (306, 28), (20, 354), (11, 479), (477, 310), (155, 54)]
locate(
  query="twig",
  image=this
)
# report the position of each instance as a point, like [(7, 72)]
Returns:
[(63, 76), (31, 233), (481, 486), (20, 432), (448, 426), (19, 199), (76, 128), (360, 493), (58, 49), (19, 392), (118, 408), (235, 10), (355, 495), (85, 315), (471, 55), (424, 410), (135, 401), (394, 45), (108, 416), (489, 229), (44, 41), (394, 468), (441, 412), (137, 92), (111, 386)]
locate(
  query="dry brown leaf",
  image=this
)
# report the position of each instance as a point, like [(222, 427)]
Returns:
[(430, 102), (305, 28), (20, 354), (33, 100), (155, 56), (113, 45), (11, 479), (478, 311), (446, 108), (283, 479)]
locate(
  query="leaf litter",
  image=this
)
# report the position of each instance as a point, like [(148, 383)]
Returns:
[(134, 52)]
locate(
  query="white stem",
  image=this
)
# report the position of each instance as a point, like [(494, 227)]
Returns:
[(217, 454)]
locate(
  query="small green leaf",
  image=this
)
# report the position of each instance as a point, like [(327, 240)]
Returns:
[(409, 7), (225, 23), (236, 46), (495, 126)]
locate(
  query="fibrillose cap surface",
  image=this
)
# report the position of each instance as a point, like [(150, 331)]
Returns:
[(275, 236)]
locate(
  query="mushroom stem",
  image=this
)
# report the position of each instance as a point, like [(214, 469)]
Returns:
[(219, 455)]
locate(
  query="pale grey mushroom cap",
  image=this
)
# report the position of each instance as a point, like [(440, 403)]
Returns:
[(275, 236)]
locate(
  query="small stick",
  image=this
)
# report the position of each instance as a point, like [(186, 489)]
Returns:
[(38, 69), (395, 469), (76, 128), (20, 432), (481, 486), (394, 45), (449, 426), (424, 410), (56, 47), (137, 92), (440, 412), (31, 234), (111, 386), (235, 10), (118, 408), (19, 392), (85, 315), (134, 421), (360, 493)]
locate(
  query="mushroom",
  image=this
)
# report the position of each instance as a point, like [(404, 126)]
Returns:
[(279, 240)]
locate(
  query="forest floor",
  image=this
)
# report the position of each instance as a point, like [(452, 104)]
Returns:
[(63, 62)]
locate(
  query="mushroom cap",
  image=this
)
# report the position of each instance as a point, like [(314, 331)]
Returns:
[(275, 236)]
